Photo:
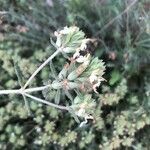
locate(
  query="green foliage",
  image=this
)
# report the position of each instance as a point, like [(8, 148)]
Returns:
[(122, 114)]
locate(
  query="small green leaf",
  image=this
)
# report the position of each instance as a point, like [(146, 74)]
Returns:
[(18, 73), (115, 77), (57, 97), (53, 70), (73, 114), (67, 93)]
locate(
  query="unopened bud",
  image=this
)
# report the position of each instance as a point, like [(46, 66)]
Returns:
[(73, 85), (56, 85), (63, 72), (74, 74)]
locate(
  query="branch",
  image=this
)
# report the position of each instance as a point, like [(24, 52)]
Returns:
[(46, 102), (40, 68), (36, 89), (5, 92), (3, 12), (20, 91)]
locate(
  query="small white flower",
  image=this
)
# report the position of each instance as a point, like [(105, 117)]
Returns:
[(76, 54), (86, 120), (97, 84), (79, 58), (84, 44), (81, 112), (95, 80), (83, 59)]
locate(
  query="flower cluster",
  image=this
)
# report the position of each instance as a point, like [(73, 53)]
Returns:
[(69, 39), (83, 68), (84, 72), (83, 106)]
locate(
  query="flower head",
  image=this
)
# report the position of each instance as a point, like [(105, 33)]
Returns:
[(83, 51), (94, 73), (84, 106), (96, 79), (69, 39)]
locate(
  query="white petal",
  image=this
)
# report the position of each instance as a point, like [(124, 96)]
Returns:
[(81, 112), (93, 78), (76, 54), (80, 59)]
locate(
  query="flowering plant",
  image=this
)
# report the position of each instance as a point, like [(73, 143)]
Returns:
[(79, 77)]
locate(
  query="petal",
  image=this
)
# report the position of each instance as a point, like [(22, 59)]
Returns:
[(93, 78)]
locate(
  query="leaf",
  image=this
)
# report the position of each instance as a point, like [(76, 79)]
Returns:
[(26, 105), (18, 73), (53, 70), (115, 77), (69, 95), (73, 114), (57, 97)]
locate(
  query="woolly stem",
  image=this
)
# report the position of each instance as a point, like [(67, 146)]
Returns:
[(46, 102), (40, 68), (20, 91)]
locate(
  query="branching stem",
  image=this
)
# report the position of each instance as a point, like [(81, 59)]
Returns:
[(24, 92)]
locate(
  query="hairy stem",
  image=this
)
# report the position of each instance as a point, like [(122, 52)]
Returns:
[(24, 92), (46, 102), (40, 68), (29, 90), (20, 91), (5, 92)]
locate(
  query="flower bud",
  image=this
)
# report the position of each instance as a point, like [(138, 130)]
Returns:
[(63, 72), (56, 85), (69, 39), (73, 85), (74, 74)]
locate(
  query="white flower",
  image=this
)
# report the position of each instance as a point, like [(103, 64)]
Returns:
[(82, 111), (84, 44), (86, 120), (97, 84), (79, 58), (84, 59), (95, 80)]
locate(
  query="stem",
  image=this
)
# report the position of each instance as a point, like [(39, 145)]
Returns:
[(3, 12), (5, 92), (20, 91), (36, 89), (46, 102), (40, 68), (24, 92)]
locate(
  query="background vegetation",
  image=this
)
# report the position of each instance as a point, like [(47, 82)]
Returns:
[(122, 118)]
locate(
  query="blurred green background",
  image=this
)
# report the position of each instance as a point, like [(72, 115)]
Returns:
[(123, 122)]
